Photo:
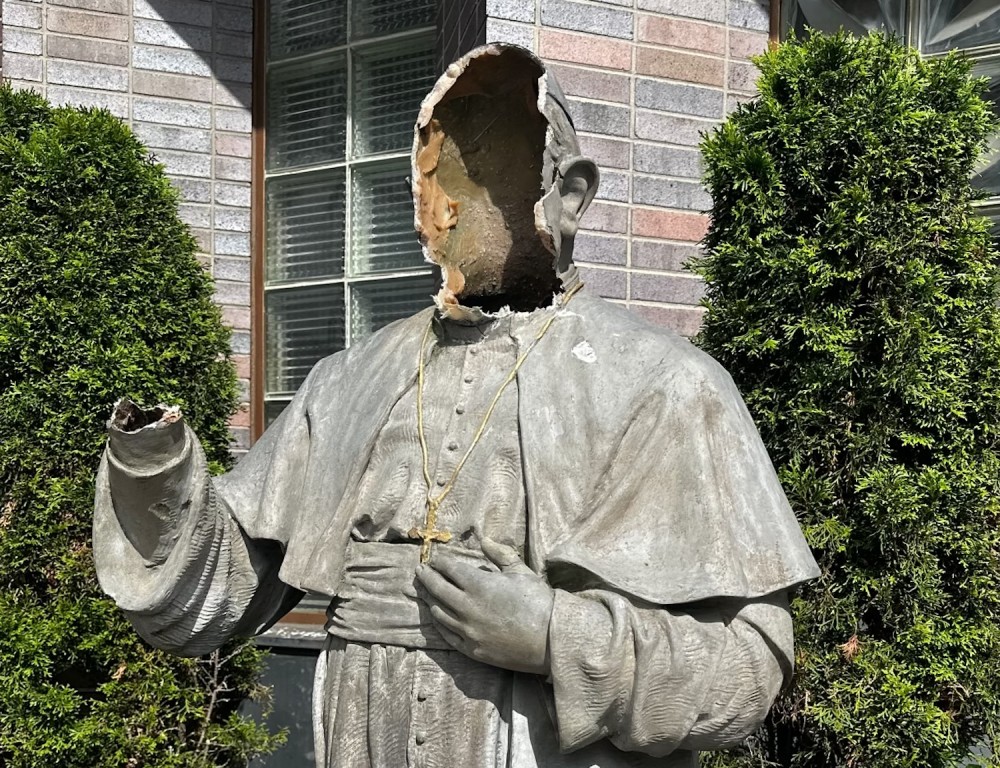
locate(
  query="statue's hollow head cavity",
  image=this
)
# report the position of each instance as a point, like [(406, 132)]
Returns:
[(498, 181)]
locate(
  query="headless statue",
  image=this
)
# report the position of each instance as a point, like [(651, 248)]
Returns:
[(549, 532)]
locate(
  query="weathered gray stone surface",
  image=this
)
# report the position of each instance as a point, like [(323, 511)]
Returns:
[(608, 580)]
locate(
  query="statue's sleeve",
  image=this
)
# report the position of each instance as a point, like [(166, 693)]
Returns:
[(654, 679), (170, 541)]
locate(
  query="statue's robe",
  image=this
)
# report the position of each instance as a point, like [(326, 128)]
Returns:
[(622, 463)]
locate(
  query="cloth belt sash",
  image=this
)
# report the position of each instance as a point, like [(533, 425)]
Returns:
[(379, 600)]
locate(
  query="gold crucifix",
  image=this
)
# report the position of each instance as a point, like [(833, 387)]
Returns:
[(429, 533)]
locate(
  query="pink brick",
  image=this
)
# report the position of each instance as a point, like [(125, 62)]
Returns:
[(242, 363), (686, 322), (679, 33), (233, 145), (593, 50), (241, 418), (236, 317), (669, 225), (744, 44), (675, 65)]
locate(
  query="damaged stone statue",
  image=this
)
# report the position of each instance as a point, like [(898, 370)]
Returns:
[(549, 532)]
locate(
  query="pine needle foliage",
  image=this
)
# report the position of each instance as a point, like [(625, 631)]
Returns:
[(852, 293), (100, 296)]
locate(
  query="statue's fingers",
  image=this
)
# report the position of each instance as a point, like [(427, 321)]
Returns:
[(460, 573), (453, 639), (446, 620), (506, 558), (442, 591)]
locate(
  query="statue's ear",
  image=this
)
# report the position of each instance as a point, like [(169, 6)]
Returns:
[(578, 182)]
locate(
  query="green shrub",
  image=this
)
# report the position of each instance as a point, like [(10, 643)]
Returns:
[(100, 296), (852, 293)]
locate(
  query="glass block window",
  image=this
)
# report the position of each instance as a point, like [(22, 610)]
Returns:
[(987, 175), (967, 24), (936, 27), (344, 82), (857, 16)]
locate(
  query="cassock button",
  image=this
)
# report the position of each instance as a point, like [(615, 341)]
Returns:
[(421, 695), (441, 481), (468, 379), (459, 410), (452, 446), (420, 736), (473, 351)]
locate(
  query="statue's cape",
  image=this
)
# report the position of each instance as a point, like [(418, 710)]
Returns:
[(643, 470)]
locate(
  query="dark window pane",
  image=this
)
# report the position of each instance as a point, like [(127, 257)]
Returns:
[(376, 304), (946, 24), (388, 88), (305, 226), (307, 113), (303, 326), (301, 26), (380, 17), (290, 676), (272, 410)]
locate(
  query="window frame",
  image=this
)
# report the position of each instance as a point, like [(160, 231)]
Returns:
[(259, 288)]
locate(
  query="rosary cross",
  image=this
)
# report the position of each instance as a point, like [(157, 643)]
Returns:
[(429, 533)]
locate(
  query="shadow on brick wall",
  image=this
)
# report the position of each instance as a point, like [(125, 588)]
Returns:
[(197, 41)]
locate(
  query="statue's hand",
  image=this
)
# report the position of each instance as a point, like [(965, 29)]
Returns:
[(497, 618)]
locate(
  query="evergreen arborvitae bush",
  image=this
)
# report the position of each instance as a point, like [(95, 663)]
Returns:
[(101, 296), (852, 293)]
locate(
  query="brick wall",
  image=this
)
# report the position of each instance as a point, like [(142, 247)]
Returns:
[(645, 78), (179, 71)]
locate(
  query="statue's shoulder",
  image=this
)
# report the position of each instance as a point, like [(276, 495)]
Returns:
[(637, 346)]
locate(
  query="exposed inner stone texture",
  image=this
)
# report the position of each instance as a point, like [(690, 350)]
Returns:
[(480, 163)]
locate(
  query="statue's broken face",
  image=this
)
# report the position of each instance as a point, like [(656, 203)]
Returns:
[(480, 163)]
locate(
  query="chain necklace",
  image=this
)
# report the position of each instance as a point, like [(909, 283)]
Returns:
[(429, 533)]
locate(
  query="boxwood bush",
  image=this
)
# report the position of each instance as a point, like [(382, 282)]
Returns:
[(852, 293), (101, 295)]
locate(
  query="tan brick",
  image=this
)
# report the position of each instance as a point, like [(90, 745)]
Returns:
[(172, 86), (584, 49), (746, 43), (605, 217), (742, 77), (675, 65), (87, 24), (669, 225), (18, 66), (79, 49), (680, 33)]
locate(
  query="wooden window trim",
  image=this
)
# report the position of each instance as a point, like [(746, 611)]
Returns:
[(257, 219)]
